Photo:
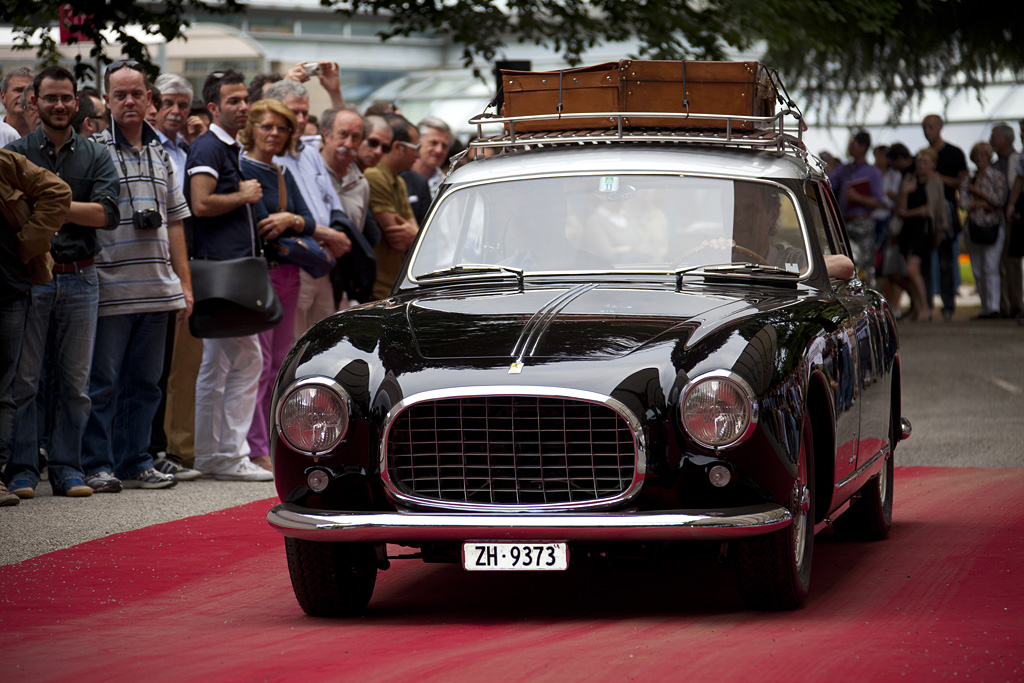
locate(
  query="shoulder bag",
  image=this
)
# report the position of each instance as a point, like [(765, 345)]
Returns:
[(234, 297)]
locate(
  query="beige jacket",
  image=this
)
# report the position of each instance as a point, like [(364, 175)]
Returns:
[(34, 202)]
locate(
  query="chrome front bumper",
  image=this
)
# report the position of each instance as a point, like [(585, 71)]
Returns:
[(416, 527)]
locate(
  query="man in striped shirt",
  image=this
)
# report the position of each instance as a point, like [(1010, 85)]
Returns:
[(143, 273)]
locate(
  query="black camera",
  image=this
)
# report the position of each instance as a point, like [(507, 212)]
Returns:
[(148, 219)]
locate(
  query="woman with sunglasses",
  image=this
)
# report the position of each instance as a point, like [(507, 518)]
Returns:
[(269, 132)]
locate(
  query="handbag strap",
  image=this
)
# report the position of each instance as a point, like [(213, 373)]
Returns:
[(259, 246), (282, 197)]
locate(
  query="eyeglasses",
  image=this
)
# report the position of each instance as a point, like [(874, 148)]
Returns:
[(374, 143), (124, 63), (51, 100), (270, 128), (409, 145)]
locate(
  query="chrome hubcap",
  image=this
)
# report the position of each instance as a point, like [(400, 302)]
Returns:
[(883, 482), (802, 500)]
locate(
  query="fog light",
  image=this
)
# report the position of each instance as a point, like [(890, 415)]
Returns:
[(719, 475), (318, 480)]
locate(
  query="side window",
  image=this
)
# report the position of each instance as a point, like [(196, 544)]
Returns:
[(816, 213), (835, 241)]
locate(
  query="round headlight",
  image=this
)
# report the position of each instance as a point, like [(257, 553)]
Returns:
[(716, 411), (313, 418)]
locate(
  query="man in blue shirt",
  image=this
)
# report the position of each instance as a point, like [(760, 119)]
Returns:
[(65, 309), (859, 188), (222, 229)]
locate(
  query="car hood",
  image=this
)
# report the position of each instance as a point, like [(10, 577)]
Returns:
[(585, 321)]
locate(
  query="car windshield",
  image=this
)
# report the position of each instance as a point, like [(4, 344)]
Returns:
[(632, 223)]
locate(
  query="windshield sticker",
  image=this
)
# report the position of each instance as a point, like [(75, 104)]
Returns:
[(609, 183), (793, 268)]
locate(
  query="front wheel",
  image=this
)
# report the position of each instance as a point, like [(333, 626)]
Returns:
[(773, 571), (331, 579)]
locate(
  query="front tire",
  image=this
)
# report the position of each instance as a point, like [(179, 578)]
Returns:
[(773, 571), (331, 579)]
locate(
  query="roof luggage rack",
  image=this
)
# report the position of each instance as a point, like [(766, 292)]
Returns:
[(747, 132)]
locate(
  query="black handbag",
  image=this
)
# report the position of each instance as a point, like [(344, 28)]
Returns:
[(233, 298), (300, 250), (982, 234)]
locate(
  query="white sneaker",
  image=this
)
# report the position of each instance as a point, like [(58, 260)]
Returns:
[(240, 469)]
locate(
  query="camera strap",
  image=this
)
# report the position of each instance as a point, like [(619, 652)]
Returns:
[(127, 180)]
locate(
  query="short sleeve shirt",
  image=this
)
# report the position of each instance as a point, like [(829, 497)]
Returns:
[(134, 267), (230, 235)]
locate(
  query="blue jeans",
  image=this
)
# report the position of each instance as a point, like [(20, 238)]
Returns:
[(65, 308), (124, 390), (13, 314)]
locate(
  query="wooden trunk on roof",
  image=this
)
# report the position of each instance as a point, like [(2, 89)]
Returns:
[(725, 88), (592, 88)]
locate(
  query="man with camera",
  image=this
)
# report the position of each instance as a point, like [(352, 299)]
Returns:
[(143, 274)]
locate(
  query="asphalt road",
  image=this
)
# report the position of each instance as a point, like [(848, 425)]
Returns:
[(963, 391)]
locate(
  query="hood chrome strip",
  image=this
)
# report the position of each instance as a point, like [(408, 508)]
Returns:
[(532, 332)]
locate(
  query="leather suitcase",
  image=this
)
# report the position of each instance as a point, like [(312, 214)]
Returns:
[(592, 88), (730, 88)]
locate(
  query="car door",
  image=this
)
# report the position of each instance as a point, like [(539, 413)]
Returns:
[(871, 390), (844, 345)]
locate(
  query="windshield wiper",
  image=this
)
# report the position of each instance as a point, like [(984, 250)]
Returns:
[(741, 271), (473, 269)]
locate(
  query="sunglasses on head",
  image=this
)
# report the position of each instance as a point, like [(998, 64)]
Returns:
[(373, 143), (124, 63)]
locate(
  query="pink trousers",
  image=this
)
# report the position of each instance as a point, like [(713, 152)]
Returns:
[(274, 344)]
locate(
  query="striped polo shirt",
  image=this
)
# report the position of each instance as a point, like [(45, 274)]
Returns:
[(134, 267)]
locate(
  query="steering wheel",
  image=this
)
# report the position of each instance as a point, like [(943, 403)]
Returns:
[(707, 247)]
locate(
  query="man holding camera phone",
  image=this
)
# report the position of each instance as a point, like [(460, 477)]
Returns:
[(143, 274)]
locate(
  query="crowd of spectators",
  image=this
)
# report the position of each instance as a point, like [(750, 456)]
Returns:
[(909, 216), (107, 194)]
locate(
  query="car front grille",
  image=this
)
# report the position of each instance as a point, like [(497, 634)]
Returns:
[(511, 451)]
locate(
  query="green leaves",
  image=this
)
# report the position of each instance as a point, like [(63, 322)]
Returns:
[(827, 51)]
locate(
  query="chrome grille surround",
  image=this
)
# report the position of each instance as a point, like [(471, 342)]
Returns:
[(479, 459)]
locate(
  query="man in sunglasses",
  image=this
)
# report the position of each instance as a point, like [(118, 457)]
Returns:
[(65, 309), (376, 144), (426, 176), (389, 202)]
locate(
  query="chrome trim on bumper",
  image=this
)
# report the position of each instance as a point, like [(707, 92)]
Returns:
[(409, 527)]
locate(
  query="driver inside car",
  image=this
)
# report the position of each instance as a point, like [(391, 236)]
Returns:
[(756, 210)]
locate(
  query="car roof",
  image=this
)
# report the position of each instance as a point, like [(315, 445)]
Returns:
[(693, 159)]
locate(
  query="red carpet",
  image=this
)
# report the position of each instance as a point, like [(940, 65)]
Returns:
[(208, 598)]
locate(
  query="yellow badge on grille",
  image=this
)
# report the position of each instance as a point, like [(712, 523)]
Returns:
[(515, 368)]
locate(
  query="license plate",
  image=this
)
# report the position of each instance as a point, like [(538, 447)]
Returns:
[(483, 556)]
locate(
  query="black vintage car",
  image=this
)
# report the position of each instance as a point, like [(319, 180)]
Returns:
[(598, 340)]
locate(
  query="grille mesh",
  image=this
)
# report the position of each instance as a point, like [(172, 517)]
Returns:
[(511, 450)]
